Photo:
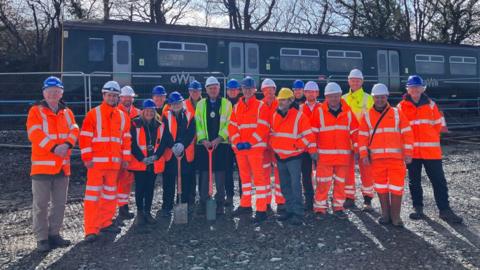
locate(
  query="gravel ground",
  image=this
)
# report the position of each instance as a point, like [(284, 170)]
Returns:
[(234, 243)]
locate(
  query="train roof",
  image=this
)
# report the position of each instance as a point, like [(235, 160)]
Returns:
[(247, 35)]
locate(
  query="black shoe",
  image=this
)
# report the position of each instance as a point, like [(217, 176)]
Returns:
[(228, 202), (260, 217), (284, 216), (340, 214), (43, 246), (166, 213), (90, 238), (242, 211), (384, 221), (124, 213), (118, 222), (281, 209), (269, 209), (111, 229), (349, 203), (367, 204), (57, 241), (139, 219), (296, 220), (417, 213), (149, 219), (220, 209), (449, 216)]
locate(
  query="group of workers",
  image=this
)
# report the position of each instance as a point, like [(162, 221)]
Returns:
[(288, 134)]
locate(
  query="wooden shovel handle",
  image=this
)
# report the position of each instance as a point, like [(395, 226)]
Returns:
[(179, 176), (210, 171)]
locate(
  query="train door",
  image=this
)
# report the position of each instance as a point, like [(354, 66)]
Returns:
[(243, 60), (122, 59), (388, 66)]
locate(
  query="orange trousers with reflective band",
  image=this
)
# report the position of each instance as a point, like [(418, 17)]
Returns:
[(389, 175), (326, 175), (124, 186), (269, 165), (366, 177), (100, 202), (250, 165)]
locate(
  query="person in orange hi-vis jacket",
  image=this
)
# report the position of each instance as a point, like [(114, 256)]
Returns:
[(53, 132), (385, 141), (427, 123), (268, 89), (311, 92), (336, 131), (248, 129), (290, 137), (125, 177), (105, 147)]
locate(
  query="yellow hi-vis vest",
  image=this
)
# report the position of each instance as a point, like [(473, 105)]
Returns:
[(359, 102)]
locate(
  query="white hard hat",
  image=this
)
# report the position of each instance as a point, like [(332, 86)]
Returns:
[(355, 73), (380, 89), (311, 86), (268, 83), (211, 81), (332, 88), (127, 91), (111, 87)]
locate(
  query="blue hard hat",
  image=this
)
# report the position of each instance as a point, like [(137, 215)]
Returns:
[(233, 84), (248, 82), (52, 81), (298, 84), (149, 104), (159, 91), (415, 80), (195, 85), (174, 97)]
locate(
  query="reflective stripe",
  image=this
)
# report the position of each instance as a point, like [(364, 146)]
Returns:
[(127, 135), (86, 133), (422, 121), (283, 135), (122, 195), (86, 150), (44, 142), (34, 127), (44, 120), (107, 139), (261, 196), (109, 188), (306, 132), (396, 188), (386, 150), (324, 179), (339, 179), (93, 188), (257, 137), (314, 129), (234, 136), (116, 159), (233, 123), (262, 144), (100, 159), (380, 186), (44, 162), (363, 133), (305, 141), (266, 166), (362, 148), (122, 200), (349, 191), (384, 130), (98, 115), (246, 185), (248, 126), (91, 198), (263, 122), (322, 118), (408, 146), (403, 130), (335, 127), (108, 197), (259, 188), (73, 137), (334, 151), (287, 152), (426, 144), (65, 162), (247, 192), (122, 120), (126, 152)]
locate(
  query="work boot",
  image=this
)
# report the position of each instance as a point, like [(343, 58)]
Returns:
[(349, 203), (260, 217), (417, 213), (296, 220), (385, 205), (166, 213), (367, 204), (111, 229), (149, 219), (57, 241), (220, 208), (449, 216), (90, 238), (242, 211), (43, 246), (269, 209), (124, 213), (202, 209), (281, 208), (139, 219), (284, 216), (395, 209), (340, 214), (229, 201)]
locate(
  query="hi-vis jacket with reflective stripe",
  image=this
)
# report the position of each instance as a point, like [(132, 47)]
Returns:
[(201, 120), (188, 135), (105, 137), (270, 111), (187, 105), (290, 135), (47, 130), (335, 136), (134, 112), (393, 138), (308, 111), (426, 122), (249, 123), (359, 102)]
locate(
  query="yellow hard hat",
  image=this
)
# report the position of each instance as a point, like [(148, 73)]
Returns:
[(285, 93)]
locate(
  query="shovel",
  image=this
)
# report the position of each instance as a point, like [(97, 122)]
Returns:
[(211, 204), (180, 210)]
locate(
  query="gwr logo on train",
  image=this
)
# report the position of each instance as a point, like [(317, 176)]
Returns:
[(181, 78)]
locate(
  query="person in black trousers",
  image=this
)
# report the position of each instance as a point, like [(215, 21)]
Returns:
[(181, 125), (150, 138)]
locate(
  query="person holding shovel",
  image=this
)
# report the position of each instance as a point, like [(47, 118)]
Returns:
[(211, 117)]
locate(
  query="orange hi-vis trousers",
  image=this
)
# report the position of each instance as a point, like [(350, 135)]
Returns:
[(366, 177), (269, 164), (100, 202), (251, 164), (389, 175), (326, 175), (124, 186)]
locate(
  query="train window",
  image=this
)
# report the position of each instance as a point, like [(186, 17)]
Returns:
[(298, 59), (429, 64), (236, 57), (461, 65), (122, 52), (182, 54), (252, 58), (96, 49), (344, 61)]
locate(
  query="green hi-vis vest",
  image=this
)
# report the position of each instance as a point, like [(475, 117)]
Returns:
[(201, 119)]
